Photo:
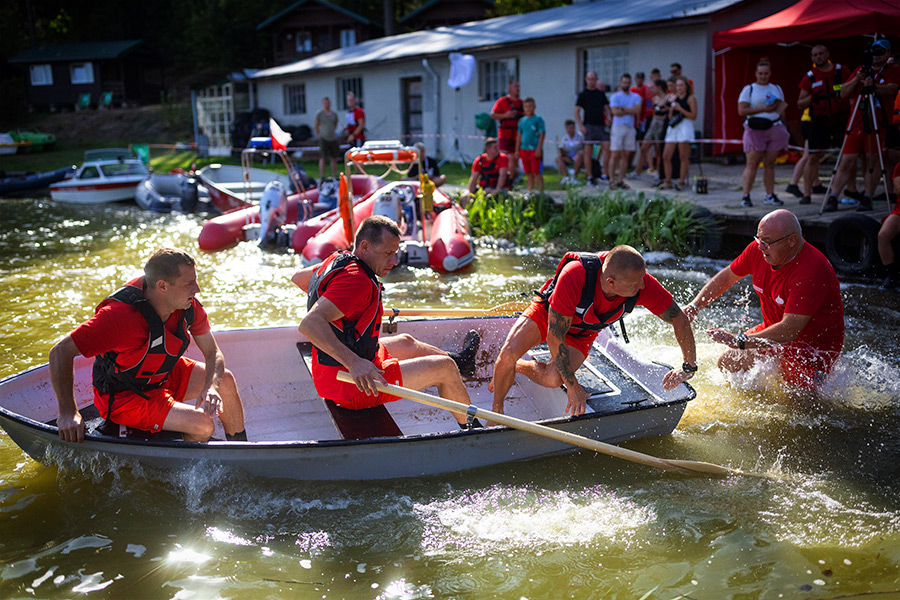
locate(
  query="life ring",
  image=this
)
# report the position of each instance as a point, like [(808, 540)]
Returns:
[(851, 243), (708, 242), (361, 155)]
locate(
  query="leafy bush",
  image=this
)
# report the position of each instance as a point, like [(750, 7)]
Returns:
[(599, 221)]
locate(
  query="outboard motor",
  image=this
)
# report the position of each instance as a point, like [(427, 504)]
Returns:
[(272, 213), (189, 194), (328, 195)]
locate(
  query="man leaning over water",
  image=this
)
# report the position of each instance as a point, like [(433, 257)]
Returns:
[(803, 315), (588, 293), (138, 335)]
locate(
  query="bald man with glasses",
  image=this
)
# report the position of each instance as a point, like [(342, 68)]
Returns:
[(803, 315)]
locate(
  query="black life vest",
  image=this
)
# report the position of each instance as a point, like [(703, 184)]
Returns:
[(825, 100), (593, 264), (361, 335), (151, 372)]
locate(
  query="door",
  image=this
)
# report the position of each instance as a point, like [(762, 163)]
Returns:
[(412, 110)]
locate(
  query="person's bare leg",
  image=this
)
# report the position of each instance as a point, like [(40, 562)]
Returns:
[(546, 374), (426, 371), (232, 416), (523, 336), (749, 175), (769, 171)]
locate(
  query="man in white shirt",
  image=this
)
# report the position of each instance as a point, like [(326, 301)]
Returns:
[(571, 153), (625, 106)]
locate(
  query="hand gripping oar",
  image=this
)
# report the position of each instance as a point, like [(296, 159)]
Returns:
[(502, 309), (689, 467)]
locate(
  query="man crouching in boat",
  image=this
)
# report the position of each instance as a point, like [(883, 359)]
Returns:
[(343, 323), (138, 336), (588, 293)]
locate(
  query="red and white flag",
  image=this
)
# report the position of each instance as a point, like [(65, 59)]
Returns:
[(280, 137)]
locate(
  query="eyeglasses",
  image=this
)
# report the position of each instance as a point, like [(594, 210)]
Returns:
[(763, 244)]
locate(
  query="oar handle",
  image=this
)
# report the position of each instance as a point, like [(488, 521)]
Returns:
[(509, 308), (681, 466)]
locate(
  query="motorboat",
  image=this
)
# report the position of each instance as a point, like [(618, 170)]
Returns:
[(232, 186), (17, 183), (435, 228), (107, 175), (305, 215), (295, 434), (179, 192)]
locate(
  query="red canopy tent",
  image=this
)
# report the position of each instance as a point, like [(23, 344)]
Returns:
[(776, 36)]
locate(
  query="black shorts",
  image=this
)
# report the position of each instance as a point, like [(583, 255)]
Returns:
[(826, 133)]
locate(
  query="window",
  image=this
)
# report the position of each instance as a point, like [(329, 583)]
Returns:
[(608, 62), (348, 38), (353, 84), (91, 172), (303, 40), (82, 72), (41, 75), (295, 99), (494, 77)]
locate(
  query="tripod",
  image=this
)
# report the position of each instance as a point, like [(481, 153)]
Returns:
[(456, 153), (869, 117)]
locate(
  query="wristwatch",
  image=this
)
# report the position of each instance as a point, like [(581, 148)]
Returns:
[(741, 340), (688, 367)]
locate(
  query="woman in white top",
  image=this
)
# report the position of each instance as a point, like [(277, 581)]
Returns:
[(680, 133), (762, 105)]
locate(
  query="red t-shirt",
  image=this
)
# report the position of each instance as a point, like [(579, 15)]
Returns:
[(646, 94), (805, 286), (352, 118), (508, 127), (887, 75), (121, 328), (823, 83), (568, 288)]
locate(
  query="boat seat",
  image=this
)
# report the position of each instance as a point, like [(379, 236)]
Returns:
[(355, 424), (94, 425)]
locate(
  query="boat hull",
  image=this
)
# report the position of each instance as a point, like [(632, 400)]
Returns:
[(99, 193), (293, 436)]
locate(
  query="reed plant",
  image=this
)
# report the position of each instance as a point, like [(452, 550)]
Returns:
[(603, 220)]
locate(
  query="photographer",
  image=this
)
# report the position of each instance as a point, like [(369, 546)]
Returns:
[(872, 88)]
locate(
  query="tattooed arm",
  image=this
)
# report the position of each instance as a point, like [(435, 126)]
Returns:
[(559, 352), (685, 337)]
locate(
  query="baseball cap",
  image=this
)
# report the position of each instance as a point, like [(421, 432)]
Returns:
[(883, 44)]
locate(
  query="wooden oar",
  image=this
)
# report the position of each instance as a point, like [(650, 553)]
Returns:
[(502, 309), (678, 466)]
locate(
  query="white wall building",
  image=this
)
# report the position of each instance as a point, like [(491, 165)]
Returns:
[(402, 79)]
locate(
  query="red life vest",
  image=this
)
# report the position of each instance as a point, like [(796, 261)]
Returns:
[(826, 93), (361, 335), (509, 128), (580, 327), (152, 371), (489, 172)]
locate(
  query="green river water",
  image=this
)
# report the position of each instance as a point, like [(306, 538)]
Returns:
[(825, 525)]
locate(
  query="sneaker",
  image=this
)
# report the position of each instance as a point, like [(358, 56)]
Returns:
[(564, 181), (849, 201), (745, 201), (465, 358), (805, 200), (604, 178), (772, 200), (793, 189), (819, 189), (613, 185), (475, 424), (858, 196), (624, 186), (889, 283), (632, 175), (592, 181), (865, 204), (831, 205)]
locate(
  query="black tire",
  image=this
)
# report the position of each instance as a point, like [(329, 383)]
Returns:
[(708, 243), (851, 244)]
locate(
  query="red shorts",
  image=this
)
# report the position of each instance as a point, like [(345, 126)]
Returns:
[(530, 162), (507, 144), (347, 395), (863, 143), (801, 364), (131, 410), (539, 313)]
